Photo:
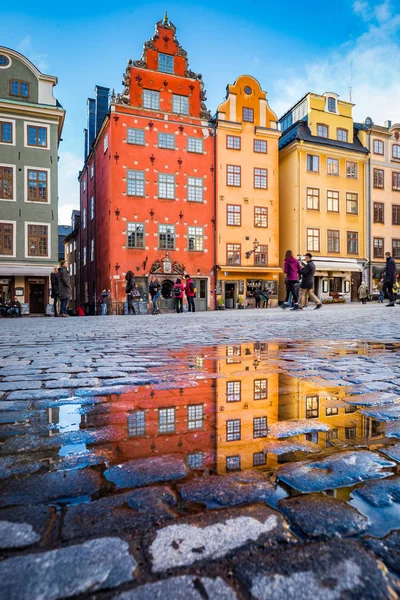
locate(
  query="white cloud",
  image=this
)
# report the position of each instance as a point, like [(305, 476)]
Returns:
[(371, 63), (68, 186), (26, 48)]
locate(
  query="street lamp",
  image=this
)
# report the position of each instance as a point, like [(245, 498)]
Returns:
[(117, 268), (256, 244)]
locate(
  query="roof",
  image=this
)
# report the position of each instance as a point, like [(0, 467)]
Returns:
[(300, 131), (294, 106)]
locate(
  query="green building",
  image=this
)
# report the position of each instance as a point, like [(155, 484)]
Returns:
[(31, 121)]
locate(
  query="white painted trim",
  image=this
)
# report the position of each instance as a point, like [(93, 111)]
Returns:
[(232, 107), (48, 240), (14, 198), (36, 124), (26, 185), (9, 58), (23, 118), (12, 121), (14, 223)]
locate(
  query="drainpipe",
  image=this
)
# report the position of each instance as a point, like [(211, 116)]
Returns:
[(368, 211), (215, 215)]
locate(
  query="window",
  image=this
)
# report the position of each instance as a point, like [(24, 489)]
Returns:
[(233, 430), (37, 136), (233, 391), (6, 132), (312, 240), (342, 135), (137, 423), (260, 216), (84, 218), (331, 104), (312, 163), (396, 248), (195, 416), (105, 143), (195, 239), (260, 179), (232, 352), (166, 186), (351, 170), (378, 147), (332, 166), (260, 389), (135, 235), (166, 420), (396, 151), (165, 63), (38, 236), (195, 460), (331, 411), (135, 183), (248, 115), (91, 171), (37, 186), (379, 212), (233, 463), (333, 240), (352, 242), (233, 175), (195, 189), (6, 239), (352, 203), (166, 140), (396, 181), (6, 183), (333, 434), (166, 237), (259, 459), (233, 214), (151, 99), (260, 146), (195, 145), (350, 409), (312, 407), (322, 130), (91, 250), (396, 214), (350, 433), (233, 142), (92, 208), (84, 185), (378, 247), (84, 256), (379, 178), (259, 427), (19, 88), (180, 104), (313, 199), (233, 254), (135, 136), (261, 255)]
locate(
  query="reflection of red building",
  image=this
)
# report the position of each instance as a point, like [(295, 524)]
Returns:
[(147, 186)]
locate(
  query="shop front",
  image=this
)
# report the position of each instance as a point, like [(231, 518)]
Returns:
[(31, 285), (235, 288), (377, 271), (337, 280)]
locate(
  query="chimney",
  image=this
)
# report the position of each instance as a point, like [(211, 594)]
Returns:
[(101, 105), (388, 124), (91, 126), (85, 150)]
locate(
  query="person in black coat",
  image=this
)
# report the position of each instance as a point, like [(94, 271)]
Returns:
[(257, 297), (390, 278), (55, 293), (130, 286), (307, 284)]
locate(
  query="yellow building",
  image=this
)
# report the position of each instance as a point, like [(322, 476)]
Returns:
[(247, 195), (322, 192)]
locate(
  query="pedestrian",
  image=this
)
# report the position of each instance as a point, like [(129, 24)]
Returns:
[(155, 294), (265, 294), (104, 301), (190, 291), (363, 292), (64, 287), (380, 290), (257, 297), (307, 284), (389, 279), (54, 279), (130, 286), (292, 269), (15, 308), (3, 307), (178, 295)]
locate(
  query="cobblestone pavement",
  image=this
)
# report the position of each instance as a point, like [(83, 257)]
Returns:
[(230, 455)]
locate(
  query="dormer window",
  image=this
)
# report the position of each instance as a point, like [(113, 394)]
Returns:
[(166, 63), (331, 104), (19, 88)]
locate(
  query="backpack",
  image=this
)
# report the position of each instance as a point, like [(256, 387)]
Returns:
[(177, 291), (192, 289)]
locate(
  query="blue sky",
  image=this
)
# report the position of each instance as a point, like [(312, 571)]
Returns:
[(289, 47)]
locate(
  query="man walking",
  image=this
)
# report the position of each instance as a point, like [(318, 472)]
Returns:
[(54, 289), (307, 284), (390, 278), (64, 287), (190, 293)]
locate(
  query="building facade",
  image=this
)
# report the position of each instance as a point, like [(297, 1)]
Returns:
[(71, 245), (247, 198), (147, 186), (323, 198), (31, 122)]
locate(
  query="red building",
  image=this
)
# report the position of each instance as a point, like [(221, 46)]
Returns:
[(147, 186)]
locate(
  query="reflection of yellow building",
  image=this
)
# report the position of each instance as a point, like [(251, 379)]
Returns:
[(247, 194)]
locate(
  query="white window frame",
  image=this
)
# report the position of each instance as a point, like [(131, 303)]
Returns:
[(128, 232), (152, 95), (195, 416), (196, 236), (182, 100), (48, 225), (91, 208), (195, 187), (195, 141), (335, 160), (14, 198), (84, 221), (167, 195), (36, 124), (135, 180), (161, 225), (14, 224), (168, 69), (84, 256), (26, 169), (5, 119), (135, 130), (105, 143), (168, 137), (91, 171), (91, 250)]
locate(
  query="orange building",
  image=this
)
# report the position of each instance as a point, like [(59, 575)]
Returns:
[(147, 186)]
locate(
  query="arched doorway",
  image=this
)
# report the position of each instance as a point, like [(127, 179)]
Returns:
[(166, 289)]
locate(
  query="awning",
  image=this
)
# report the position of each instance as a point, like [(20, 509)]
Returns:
[(250, 269), (25, 270), (342, 266)]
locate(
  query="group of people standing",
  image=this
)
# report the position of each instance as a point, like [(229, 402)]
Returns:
[(297, 294), (61, 289)]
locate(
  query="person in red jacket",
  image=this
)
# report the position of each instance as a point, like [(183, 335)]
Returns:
[(179, 288), (190, 292), (292, 269)]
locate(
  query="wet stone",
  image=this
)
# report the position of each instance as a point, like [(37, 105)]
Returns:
[(38, 394), (322, 570), (17, 535), (391, 429), (383, 413), (387, 549), (334, 471), (323, 517), (14, 416), (372, 399), (8, 405), (283, 447), (246, 487), (10, 386), (380, 492), (15, 465), (215, 534), (73, 383), (102, 374), (392, 451), (23, 525), (47, 487), (143, 380), (185, 587), (143, 471), (94, 565), (285, 429)]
